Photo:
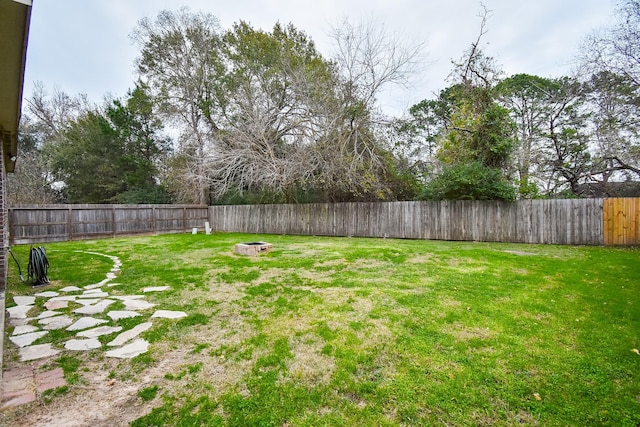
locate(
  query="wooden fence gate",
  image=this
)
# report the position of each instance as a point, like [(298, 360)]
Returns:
[(621, 218)]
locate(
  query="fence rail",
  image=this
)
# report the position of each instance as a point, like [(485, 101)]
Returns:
[(52, 223), (577, 221)]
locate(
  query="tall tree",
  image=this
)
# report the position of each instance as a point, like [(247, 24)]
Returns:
[(178, 63), (616, 48), (358, 162), (266, 113), (144, 147), (529, 100), (111, 155), (45, 117), (85, 160), (32, 179), (274, 81), (478, 135), (613, 102)]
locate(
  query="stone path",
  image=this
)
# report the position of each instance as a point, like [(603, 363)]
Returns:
[(21, 385)]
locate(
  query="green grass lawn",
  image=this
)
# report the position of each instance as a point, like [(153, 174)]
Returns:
[(368, 332)]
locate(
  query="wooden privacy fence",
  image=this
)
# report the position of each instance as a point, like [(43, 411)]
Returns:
[(51, 223), (576, 221)]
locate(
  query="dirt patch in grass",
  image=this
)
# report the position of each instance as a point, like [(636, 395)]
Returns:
[(463, 265), (309, 367), (221, 292), (315, 276), (500, 414), (379, 332), (421, 259), (293, 324), (98, 401), (449, 302), (197, 256), (520, 253), (281, 274), (368, 264), (540, 317), (465, 333), (331, 263)]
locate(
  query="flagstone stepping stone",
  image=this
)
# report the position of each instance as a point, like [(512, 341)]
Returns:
[(111, 275), (82, 345), (97, 285), (122, 314), (24, 300), (24, 329), (19, 311), (168, 314), (136, 304), (92, 291), (130, 334), (50, 317), (130, 350), (93, 295), (99, 331), (156, 288), (64, 298), (85, 322), (95, 308), (47, 294), (27, 339), (57, 322), (111, 285), (47, 314), (39, 351), (52, 305), (20, 322), (70, 289), (87, 301), (128, 297)]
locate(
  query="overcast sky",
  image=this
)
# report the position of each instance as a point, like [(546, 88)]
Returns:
[(83, 46)]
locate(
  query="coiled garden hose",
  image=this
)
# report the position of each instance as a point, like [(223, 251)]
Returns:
[(37, 269)]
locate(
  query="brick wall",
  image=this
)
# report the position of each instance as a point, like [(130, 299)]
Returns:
[(4, 243)]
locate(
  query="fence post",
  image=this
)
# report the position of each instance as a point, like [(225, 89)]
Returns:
[(113, 220), (70, 223), (184, 219)]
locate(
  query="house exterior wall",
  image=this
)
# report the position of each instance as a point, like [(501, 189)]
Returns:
[(3, 251), (4, 241)]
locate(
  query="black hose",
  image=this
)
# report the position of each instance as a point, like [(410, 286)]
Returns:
[(37, 269)]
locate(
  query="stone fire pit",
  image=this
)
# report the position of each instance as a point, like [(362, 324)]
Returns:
[(253, 248)]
